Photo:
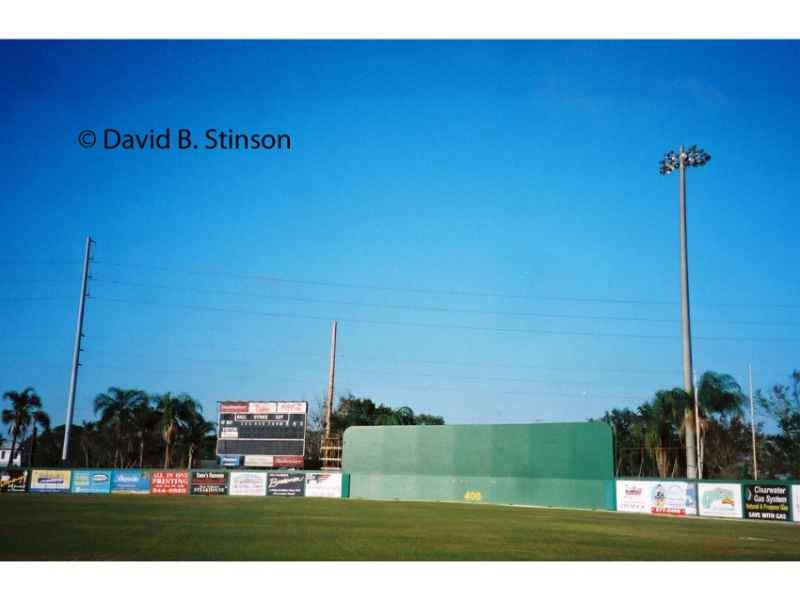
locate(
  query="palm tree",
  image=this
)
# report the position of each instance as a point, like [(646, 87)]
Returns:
[(405, 415), (26, 409), (176, 413), (195, 435), (88, 439), (665, 418), (387, 418), (144, 419), (718, 394), (116, 410)]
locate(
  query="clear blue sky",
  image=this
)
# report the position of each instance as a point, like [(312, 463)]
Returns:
[(524, 173)]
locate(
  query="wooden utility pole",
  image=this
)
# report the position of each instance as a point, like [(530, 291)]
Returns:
[(331, 380), (752, 421)]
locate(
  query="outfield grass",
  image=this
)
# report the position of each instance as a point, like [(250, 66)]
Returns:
[(50, 527)]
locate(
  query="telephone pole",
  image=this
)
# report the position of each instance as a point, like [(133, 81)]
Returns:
[(77, 351), (331, 379), (752, 421)]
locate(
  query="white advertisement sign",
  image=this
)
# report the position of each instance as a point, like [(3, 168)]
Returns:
[(292, 407), (633, 496), (656, 497), (262, 408), (258, 460), (50, 480), (720, 500), (324, 485), (247, 483), (796, 503)]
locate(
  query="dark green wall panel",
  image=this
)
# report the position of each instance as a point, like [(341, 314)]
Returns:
[(548, 464)]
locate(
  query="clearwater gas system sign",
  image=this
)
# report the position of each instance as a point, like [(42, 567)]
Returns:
[(91, 482), (265, 434), (50, 480), (766, 501), (720, 500), (656, 497)]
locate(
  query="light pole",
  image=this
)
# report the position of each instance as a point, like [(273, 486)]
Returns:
[(691, 157)]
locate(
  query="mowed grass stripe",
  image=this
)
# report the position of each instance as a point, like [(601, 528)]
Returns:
[(54, 527)]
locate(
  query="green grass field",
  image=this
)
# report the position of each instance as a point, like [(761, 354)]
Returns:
[(50, 527)]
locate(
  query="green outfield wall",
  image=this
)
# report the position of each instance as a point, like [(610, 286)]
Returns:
[(547, 464)]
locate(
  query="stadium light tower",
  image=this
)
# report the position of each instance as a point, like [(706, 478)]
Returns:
[(691, 157)]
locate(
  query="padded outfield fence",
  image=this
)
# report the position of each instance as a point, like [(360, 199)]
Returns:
[(563, 465), (549, 464), (175, 482)]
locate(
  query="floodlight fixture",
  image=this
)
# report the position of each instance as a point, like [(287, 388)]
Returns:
[(692, 157)]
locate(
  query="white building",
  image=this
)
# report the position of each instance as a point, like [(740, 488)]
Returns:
[(5, 452)]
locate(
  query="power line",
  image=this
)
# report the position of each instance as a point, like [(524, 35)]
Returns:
[(506, 365), (442, 325), (431, 291), (490, 392), (40, 262), (33, 299), (444, 377), (487, 379), (442, 309)]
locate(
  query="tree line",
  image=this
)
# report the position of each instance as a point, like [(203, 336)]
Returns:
[(133, 429), (136, 429), (650, 440)]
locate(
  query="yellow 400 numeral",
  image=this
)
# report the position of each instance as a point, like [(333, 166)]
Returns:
[(473, 496)]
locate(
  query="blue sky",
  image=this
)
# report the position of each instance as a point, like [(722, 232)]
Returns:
[(486, 219)]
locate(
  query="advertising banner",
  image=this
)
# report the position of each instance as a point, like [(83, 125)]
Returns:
[(796, 503), (50, 480), (633, 496), (258, 460), (288, 462), (656, 497), (13, 480), (767, 501), (720, 500), (130, 481), (324, 485), (286, 484), (673, 498), (209, 483), (169, 483), (230, 461), (91, 482), (248, 483), (292, 407)]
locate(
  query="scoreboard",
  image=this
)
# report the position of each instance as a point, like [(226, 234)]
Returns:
[(263, 434)]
